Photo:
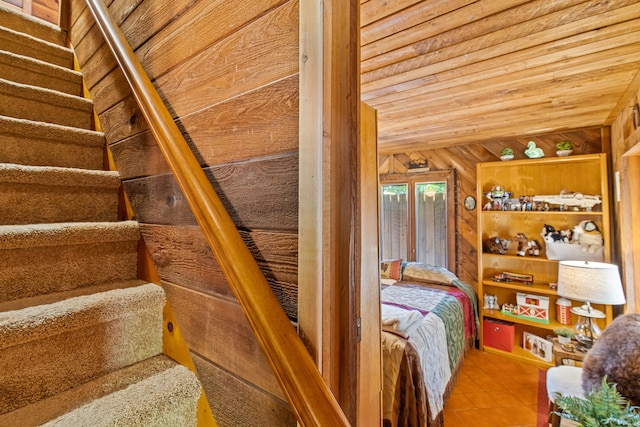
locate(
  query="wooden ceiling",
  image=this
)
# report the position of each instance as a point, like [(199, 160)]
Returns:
[(447, 72)]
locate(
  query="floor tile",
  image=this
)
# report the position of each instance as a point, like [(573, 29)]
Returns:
[(493, 391)]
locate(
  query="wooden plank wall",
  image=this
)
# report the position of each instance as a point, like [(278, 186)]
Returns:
[(228, 71), (43, 9), (463, 159), (625, 144)]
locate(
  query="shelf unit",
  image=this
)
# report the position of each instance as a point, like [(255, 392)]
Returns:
[(586, 174)]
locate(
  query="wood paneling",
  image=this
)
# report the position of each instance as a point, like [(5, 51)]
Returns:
[(459, 72), (257, 195), (182, 255), (217, 329), (235, 403), (229, 73), (46, 10), (241, 65), (463, 158), (240, 127), (625, 147)]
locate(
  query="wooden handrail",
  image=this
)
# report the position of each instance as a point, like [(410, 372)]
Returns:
[(311, 400)]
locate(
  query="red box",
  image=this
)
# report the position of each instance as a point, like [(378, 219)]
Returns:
[(498, 334)]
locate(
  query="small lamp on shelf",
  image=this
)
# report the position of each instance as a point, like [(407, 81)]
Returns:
[(589, 282)]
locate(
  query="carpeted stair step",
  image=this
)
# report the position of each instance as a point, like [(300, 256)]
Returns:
[(46, 105), (37, 28), (38, 194), (27, 142), (24, 44), (154, 392), (76, 340), (49, 258), (29, 71)]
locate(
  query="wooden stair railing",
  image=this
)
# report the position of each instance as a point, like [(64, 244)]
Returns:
[(311, 400)]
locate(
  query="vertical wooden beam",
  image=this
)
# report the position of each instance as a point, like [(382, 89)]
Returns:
[(342, 169), (310, 185), (629, 187), (369, 404), (329, 247)]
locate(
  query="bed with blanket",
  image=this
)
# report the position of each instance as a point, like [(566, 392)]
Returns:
[(429, 321)]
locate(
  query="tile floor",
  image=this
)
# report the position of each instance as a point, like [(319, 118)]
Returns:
[(493, 391)]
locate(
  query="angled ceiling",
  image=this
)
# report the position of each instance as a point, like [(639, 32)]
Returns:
[(446, 72)]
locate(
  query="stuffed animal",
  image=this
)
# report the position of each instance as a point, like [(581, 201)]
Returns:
[(588, 235), (526, 246), (496, 245), (565, 236), (616, 354), (549, 234)]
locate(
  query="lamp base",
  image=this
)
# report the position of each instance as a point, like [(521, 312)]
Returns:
[(583, 347), (586, 331)]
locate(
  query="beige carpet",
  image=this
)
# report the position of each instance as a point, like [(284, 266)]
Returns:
[(80, 336)]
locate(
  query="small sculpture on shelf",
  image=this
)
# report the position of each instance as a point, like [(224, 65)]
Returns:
[(568, 199), (526, 245), (491, 302), (510, 309), (532, 151), (496, 245), (527, 203), (497, 196)]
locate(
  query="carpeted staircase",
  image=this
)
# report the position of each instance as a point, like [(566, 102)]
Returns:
[(80, 336)]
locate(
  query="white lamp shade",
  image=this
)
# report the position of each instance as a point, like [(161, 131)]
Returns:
[(595, 282)]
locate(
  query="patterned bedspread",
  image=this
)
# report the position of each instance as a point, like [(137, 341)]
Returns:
[(435, 322)]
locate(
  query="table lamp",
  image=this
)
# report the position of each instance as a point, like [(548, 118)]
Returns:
[(589, 282)]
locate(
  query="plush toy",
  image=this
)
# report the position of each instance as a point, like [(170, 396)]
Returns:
[(588, 235), (496, 245), (549, 234), (565, 236), (616, 354), (525, 245)]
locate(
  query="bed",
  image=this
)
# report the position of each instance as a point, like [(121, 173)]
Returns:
[(429, 321)]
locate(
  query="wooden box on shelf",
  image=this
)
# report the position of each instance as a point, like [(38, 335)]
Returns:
[(583, 174)]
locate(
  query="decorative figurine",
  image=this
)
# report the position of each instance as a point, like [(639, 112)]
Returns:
[(491, 302), (526, 245), (532, 151), (497, 196)]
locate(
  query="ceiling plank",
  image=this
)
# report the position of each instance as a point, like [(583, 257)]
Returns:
[(444, 73), (596, 46), (460, 25), (492, 46)]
